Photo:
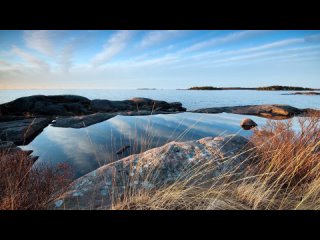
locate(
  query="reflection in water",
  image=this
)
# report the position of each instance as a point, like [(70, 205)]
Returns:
[(88, 148)]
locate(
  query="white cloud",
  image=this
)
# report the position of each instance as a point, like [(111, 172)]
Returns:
[(222, 40), (41, 40), (155, 37), (30, 58), (112, 47)]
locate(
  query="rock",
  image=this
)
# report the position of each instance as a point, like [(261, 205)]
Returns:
[(98, 105), (46, 105), (123, 149), (69, 105), (82, 121), (22, 131), (155, 168), (142, 101), (275, 111), (248, 124)]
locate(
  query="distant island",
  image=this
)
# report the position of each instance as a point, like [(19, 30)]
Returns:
[(146, 89), (268, 88)]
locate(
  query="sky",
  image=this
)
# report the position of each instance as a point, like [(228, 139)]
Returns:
[(162, 59)]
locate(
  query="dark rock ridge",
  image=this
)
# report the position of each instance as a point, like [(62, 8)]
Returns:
[(155, 168), (22, 131), (69, 105), (275, 111), (302, 93)]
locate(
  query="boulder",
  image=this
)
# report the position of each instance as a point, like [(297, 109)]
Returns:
[(155, 168), (22, 131), (248, 124)]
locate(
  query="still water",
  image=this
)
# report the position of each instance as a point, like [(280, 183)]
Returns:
[(88, 148)]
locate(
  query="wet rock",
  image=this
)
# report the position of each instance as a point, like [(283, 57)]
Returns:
[(155, 168), (82, 121), (268, 111), (247, 124), (22, 131)]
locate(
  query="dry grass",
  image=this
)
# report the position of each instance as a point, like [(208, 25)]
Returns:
[(24, 187), (284, 174)]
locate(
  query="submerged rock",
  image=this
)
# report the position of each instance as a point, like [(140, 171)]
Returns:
[(22, 131), (155, 168), (123, 149), (248, 124)]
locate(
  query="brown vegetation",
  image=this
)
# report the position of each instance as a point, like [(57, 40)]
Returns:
[(26, 187)]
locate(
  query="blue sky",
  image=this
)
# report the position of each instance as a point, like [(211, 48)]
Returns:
[(165, 59)]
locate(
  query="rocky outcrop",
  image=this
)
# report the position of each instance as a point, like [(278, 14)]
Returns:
[(23, 118), (66, 105), (69, 105), (302, 93), (155, 168), (268, 111), (22, 131)]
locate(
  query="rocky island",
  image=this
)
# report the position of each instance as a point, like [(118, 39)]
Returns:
[(268, 88)]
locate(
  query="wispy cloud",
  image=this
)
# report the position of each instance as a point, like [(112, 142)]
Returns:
[(156, 37), (41, 40), (112, 47), (222, 40), (30, 59)]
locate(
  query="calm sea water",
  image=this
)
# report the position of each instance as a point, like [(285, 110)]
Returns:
[(190, 99), (88, 148)]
